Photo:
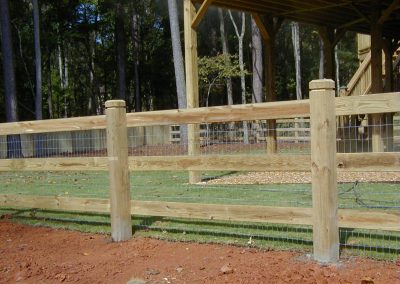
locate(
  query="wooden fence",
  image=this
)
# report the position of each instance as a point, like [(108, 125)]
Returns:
[(324, 216)]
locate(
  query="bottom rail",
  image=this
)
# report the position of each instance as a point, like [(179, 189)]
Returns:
[(349, 218)]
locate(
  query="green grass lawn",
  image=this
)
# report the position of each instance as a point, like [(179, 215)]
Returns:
[(172, 186)]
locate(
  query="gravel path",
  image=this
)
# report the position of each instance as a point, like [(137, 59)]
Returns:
[(304, 177)]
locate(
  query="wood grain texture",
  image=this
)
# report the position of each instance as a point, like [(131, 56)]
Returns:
[(55, 164), (376, 103), (274, 110), (369, 162), (361, 162), (118, 170), (192, 78), (348, 218), (222, 163), (53, 125), (324, 172)]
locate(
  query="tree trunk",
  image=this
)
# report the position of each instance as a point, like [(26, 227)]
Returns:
[(337, 71), (120, 43), (240, 36), (8, 64), (297, 58), (38, 138), (229, 88), (49, 91), (178, 62), (38, 62), (225, 50), (321, 59), (13, 141), (136, 63), (256, 44)]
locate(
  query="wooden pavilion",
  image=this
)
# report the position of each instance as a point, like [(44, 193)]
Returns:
[(378, 18)]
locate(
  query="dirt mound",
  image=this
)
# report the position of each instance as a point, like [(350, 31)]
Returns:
[(42, 255)]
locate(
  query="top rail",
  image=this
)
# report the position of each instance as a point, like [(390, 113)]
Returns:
[(376, 103)]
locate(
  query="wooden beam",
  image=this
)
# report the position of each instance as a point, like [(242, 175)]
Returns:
[(192, 81), (346, 162), (261, 163), (240, 213), (360, 13), (55, 164), (118, 170), (348, 218), (263, 31), (273, 110), (200, 13), (351, 23), (386, 13), (373, 220), (375, 120), (54, 125), (323, 171), (370, 104), (368, 162), (360, 71), (327, 35), (310, 9)]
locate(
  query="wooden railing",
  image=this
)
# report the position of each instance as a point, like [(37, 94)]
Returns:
[(360, 83), (378, 103)]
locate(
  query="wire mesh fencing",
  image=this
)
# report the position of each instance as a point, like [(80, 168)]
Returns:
[(361, 191)]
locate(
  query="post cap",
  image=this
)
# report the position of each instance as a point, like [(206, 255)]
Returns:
[(322, 84), (115, 103)]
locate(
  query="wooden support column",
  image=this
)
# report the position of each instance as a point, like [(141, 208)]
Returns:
[(272, 26), (117, 150), (329, 38), (192, 83), (323, 170), (376, 76), (388, 117)]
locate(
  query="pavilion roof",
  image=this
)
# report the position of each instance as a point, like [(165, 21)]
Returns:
[(353, 15)]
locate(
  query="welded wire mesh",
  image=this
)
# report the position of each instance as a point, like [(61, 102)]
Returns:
[(56, 144), (355, 133), (361, 191), (247, 137)]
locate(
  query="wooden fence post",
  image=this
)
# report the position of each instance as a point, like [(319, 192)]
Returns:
[(323, 169), (117, 149)]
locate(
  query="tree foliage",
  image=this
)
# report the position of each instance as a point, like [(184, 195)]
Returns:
[(214, 70), (79, 57)]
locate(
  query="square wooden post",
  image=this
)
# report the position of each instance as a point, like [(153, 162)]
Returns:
[(192, 82), (117, 150), (323, 170)]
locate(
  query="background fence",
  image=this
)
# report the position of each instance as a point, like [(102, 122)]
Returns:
[(270, 212)]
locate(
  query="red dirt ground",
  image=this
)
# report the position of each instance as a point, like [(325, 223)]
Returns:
[(43, 255)]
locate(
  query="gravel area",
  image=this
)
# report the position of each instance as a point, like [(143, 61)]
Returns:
[(304, 177)]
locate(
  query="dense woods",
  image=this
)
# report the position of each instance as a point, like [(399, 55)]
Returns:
[(69, 57)]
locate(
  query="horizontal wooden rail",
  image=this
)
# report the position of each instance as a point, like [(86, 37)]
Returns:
[(247, 112), (55, 164), (222, 163), (54, 125), (376, 103), (369, 162), (365, 162), (274, 110), (349, 218)]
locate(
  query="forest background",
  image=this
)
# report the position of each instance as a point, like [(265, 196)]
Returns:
[(69, 57)]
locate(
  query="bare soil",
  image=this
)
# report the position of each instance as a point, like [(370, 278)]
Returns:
[(43, 255)]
